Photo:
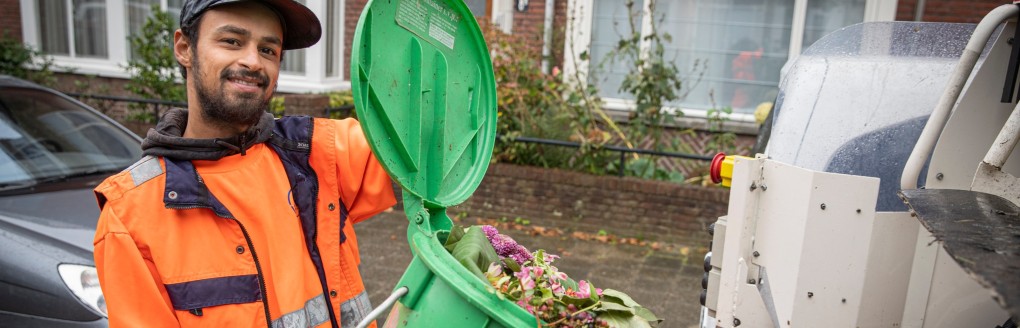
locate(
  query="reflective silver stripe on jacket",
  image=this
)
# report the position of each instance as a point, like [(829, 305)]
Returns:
[(354, 310), (145, 169), (313, 314)]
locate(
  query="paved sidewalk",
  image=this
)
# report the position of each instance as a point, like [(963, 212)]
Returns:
[(657, 279)]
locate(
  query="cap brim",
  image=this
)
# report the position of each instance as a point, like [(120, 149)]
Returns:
[(301, 27)]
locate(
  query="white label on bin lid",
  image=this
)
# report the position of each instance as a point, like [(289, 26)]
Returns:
[(432, 20)]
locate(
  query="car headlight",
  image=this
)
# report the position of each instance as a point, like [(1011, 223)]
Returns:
[(83, 281)]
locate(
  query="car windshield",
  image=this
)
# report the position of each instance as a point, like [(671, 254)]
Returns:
[(47, 138)]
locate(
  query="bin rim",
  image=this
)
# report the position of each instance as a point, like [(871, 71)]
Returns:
[(473, 290)]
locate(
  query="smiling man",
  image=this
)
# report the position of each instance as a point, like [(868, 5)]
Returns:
[(234, 219)]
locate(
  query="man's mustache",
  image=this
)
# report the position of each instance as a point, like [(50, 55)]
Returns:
[(261, 79)]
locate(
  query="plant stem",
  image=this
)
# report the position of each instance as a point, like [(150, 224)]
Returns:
[(554, 323), (588, 308)]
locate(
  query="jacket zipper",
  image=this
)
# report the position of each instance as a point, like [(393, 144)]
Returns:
[(333, 318), (254, 256), (258, 268)]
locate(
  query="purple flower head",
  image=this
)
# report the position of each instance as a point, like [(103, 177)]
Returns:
[(507, 247), (520, 255), (490, 231), (503, 244)]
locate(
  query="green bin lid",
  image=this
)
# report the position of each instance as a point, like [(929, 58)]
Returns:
[(425, 95)]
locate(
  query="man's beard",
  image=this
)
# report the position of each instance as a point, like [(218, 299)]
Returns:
[(245, 110)]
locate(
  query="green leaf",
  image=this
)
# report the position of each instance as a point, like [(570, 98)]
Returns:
[(619, 297), (618, 319), (473, 251), (544, 294), (511, 264), (646, 314), (569, 284), (610, 306), (593, 292), (456, 233)]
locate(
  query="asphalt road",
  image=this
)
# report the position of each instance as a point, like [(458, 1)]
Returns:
[(657, 278)]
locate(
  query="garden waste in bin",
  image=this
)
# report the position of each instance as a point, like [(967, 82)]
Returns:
[(425, 95)]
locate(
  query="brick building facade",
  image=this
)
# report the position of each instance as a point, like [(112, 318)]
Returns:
[(577, 202), (10, 18), (952, 11)]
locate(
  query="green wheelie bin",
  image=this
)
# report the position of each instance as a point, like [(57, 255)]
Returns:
[(425, 94)]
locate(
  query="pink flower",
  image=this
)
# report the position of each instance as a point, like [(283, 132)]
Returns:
[(549, 258), (526, 282), (556, 275), (557, 289), (583, 290), (598, 291)]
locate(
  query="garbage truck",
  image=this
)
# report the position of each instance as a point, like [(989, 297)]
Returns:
[(885, 195)]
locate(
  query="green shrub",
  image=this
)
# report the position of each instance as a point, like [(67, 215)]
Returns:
[(153, 67), (22, 61), (533, 104), (343, 103)]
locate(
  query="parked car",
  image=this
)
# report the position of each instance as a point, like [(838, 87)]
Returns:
[(53, 151)]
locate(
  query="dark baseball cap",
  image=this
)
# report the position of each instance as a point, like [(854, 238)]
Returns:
[(301, 27)]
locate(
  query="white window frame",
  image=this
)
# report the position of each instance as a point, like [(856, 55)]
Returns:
[(313, 80), (579, 19), (116, 39), (503, 15)]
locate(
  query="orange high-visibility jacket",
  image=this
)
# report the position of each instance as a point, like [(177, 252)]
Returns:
[(263, 239)]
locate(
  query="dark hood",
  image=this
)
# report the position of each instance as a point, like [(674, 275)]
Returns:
[(166, 139)]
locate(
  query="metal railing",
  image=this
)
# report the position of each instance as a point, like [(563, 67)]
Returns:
[(622, 150), (347, 109), (156, 103)]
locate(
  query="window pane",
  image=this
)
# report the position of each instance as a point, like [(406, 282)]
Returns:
[(138, 11), (742, 44), (825, 16), (608, 26), (294, 60), (332, 41), (53, 27), (90, 28), (174, 8), (477, 7)]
